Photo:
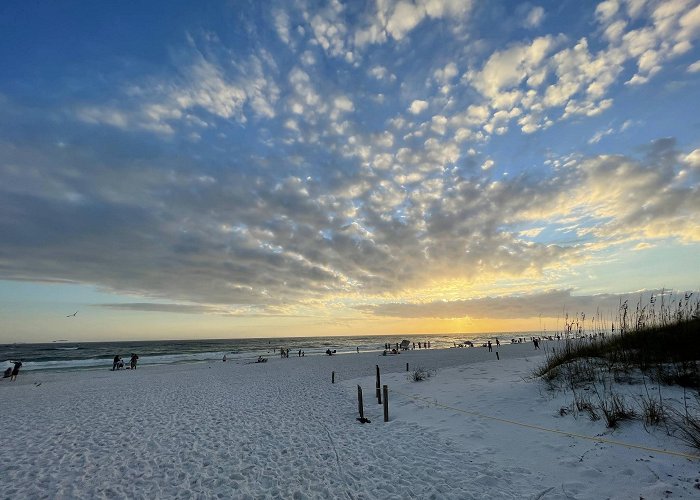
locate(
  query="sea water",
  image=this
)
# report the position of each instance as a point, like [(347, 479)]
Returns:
[(62, 355)]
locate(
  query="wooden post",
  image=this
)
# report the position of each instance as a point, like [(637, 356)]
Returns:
[(406, 366), (332, 377), (379, 384), (359, 403), (497, 355), (385, 389)]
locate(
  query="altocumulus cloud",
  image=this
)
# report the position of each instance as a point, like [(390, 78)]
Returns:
[(350, 151)]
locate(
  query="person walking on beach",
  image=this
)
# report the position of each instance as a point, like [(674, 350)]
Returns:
[(115, 362), (489, 344), (498, 343), (15, 370), (134, 359), (536, 342)]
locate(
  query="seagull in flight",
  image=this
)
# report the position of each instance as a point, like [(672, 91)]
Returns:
[(71, 315)]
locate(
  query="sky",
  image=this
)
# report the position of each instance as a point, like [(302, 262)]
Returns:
[(181, 169)]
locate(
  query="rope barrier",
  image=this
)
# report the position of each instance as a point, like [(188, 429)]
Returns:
[(554, 431)]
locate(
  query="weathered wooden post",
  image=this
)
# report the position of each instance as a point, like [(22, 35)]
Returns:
[(360, 407), (385, 389), (497, 357), (379, 392), (332, 377), (406, 366)]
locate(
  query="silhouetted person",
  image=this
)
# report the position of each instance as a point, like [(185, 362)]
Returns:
[(133, 360), (489, 345), (115, 362), (15, 370)]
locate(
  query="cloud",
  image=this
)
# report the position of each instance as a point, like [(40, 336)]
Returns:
[(204, 85), (418, 107), (397, 18), (154, 307), (624, 199), (693, 159), (280, 179), (329, 30), (507, 69), (606, 10), (534, 18), (488, 164), (381, 73), (599, 135), (281, 19), (550, 73), (550, 304), (446, 74)]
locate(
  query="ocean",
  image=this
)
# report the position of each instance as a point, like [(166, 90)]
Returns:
[(69, 356)]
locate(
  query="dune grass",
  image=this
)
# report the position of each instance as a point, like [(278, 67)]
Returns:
[(651, 345)]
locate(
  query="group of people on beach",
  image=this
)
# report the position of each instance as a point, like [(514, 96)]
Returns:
[(12, 371), (404, 345), (118, 362)]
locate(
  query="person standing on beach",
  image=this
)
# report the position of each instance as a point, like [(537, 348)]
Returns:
[(134, 359), (115, 362), (15, 370), (490, 348)]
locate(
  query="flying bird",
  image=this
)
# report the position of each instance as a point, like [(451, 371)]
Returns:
[(71, 315)]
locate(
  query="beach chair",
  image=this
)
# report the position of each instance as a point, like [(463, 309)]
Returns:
[(404, 345)]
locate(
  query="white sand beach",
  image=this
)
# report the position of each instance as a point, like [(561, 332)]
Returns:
[(281, 430)]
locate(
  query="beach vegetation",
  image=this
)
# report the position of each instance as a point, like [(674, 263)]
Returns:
[(655, 343), (685, 422), (652, 411), (420, 374)]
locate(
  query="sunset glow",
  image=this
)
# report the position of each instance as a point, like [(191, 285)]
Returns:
[(274, 169)]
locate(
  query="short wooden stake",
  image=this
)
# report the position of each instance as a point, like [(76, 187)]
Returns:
[(497, 355), (385, 390), (406, 366), (332, 377), (379, 384)]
